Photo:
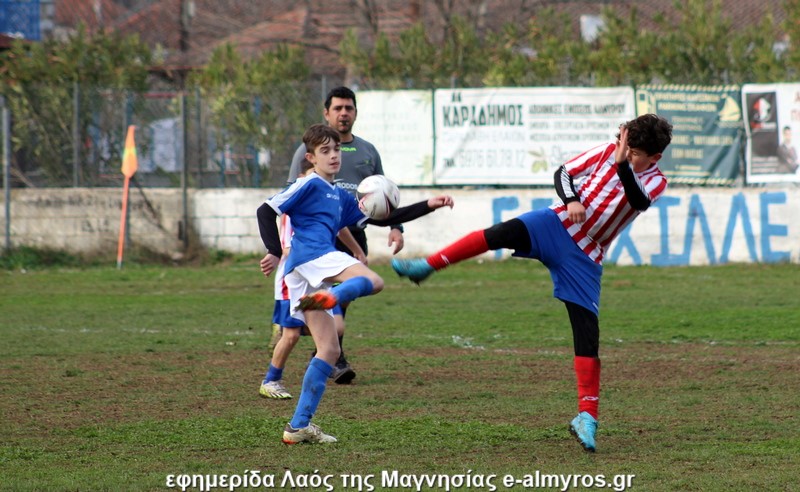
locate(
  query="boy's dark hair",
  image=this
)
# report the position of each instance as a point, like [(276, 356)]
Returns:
[(340, 92), (650, 133), (317, 135), (305, 165)]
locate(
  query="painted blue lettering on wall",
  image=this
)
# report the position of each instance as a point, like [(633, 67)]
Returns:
[(739, 207), (696, 216), (768, 230), (696, 213), (538, 203), (623, 242)]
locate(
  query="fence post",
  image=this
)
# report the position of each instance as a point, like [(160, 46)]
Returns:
[(76, 137), (6, 137), (201, 151), (185, 171)]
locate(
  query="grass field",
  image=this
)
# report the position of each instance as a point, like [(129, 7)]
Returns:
[(115, 380)]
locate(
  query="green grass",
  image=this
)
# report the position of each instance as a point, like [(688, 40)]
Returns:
[(114, 379)]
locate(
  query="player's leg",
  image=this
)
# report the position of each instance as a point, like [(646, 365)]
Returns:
[(277, 331), (586, 341), (511, 234), (355, 280), (272, 386), (300, 428), (343, 373)]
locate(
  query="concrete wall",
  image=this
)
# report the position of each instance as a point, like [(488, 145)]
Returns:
[(87, 220), (686, 227)]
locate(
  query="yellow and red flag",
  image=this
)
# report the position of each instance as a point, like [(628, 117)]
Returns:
[(129, 161), (129, 166)]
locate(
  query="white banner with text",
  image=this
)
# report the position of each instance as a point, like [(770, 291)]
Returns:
[(519, 136)]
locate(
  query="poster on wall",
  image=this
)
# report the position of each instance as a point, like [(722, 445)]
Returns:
[(519, 136), (399, 124), (707, 135), (773, 130)]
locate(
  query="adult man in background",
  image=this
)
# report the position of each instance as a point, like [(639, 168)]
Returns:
[(359, 160), (787, 154)]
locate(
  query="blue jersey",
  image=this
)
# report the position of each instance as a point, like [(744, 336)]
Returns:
[(318, 210)]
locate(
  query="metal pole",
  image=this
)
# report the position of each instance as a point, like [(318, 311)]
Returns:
[(76, 136), (185, 173), (201, 154), (6, 116)]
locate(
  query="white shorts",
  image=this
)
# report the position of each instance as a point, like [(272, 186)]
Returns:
[(310, 277)]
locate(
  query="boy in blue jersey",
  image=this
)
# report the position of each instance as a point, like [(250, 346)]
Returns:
[(289, 329), (318, 210)]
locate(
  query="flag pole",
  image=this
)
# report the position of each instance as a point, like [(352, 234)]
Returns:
[(122, 221), (129, 166)]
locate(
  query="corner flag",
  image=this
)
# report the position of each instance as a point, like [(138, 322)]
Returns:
[(129, 161), (129, 166)]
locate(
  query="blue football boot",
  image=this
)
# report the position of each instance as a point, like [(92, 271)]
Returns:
[(416, 270), (584, 427)]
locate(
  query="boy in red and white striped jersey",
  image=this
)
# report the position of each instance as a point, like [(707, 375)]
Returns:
[(618, 181)]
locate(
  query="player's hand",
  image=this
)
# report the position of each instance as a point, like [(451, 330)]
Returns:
[(441, 201), (576, 212), (621, 152), (361, 257), (396, 239), (268, 264)]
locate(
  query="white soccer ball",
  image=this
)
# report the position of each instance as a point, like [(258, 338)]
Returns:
[(377, 196)]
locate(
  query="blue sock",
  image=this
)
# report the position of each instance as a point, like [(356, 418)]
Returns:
[(314, 383), (352, 289), (273, 374)]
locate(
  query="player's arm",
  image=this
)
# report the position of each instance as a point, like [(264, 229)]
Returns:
[(413, 211), (346, 237), (565, 189), (634, 189), (376, 159), (268, 228), (396, 230), (637, 196)]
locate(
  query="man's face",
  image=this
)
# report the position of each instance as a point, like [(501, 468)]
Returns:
[(341, 115)]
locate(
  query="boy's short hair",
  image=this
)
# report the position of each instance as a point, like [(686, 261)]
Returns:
[(650, 133), (340, 92), (317, 135), (305, 166)]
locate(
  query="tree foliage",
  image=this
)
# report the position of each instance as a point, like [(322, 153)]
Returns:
[(694, 45), (417, 60), (255, 104), (40, 82)]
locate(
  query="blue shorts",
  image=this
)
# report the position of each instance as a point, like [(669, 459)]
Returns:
[(576, 278), (281, 317)]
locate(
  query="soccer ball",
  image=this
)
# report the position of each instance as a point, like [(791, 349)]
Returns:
[(377, 196)]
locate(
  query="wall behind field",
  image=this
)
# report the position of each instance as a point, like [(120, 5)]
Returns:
[(685, 227)]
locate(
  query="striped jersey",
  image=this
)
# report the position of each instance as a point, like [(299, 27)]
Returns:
[(285, 231), (600, 190)]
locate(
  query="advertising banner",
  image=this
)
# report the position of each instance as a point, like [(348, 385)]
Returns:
[(519, 136), (400, 125), (707, 137), (773, 120)]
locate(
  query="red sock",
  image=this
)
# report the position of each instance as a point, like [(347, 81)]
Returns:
[(587, 369), (468, 246)]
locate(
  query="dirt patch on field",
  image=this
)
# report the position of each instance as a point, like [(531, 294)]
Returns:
[(45, 394)]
